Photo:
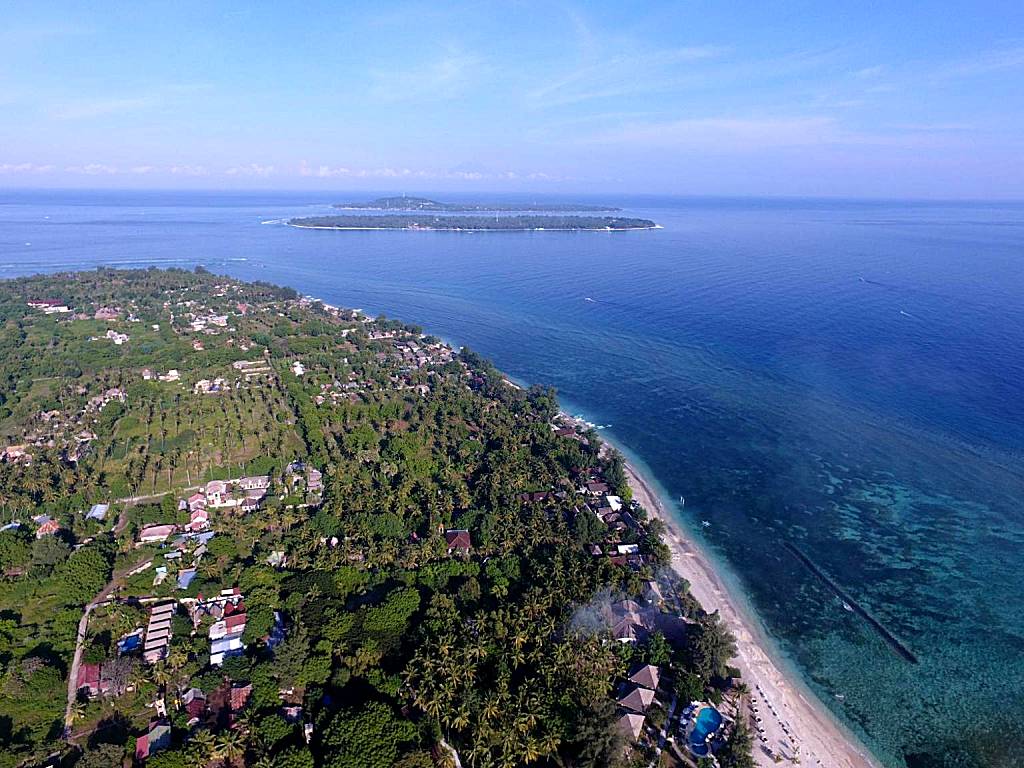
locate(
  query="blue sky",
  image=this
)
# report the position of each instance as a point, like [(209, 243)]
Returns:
[(713, 97)]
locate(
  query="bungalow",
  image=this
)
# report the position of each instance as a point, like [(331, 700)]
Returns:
[(196, 501), (225, 647), (98, 512), (261, 482), (631, 725), (459, 541), (229, 625), (117, 338), (199, 519), (597, 488), (157, 738), (635, 698), (154, 533), (314, 480), (185, 578), (106, 313), (216, 492), (652, 593), (47, 528), (171, 375), (194, 704), (645, 675), (89, 679), (16, 454), (250, 503)]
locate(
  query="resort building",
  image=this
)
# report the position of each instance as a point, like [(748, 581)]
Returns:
[(158, 633), (459, 541), (631, 725)]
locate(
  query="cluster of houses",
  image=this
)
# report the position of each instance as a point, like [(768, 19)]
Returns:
[(50, 306), (214, 387), (51, 428), (252, 368), (208, 323), (109, 678), (414, 352), (115, 336), (172, 375), (244, 494), (634, 698), (228, 611), (309, 478)]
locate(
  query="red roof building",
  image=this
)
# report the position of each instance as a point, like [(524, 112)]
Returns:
[(48, 528), (239, 697), (89, 679), (458, 541), (235, 623)]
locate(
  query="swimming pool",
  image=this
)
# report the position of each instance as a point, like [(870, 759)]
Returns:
[(707, 721)]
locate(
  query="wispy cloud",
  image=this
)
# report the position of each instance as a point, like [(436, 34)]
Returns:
[(869, 73), (619, 75), (738, 135), (84, 109), (446, 77), (987, 61)]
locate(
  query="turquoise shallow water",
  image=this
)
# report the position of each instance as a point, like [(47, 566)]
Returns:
[(842, 378)]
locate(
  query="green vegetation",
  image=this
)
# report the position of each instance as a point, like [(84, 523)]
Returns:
[(473, 223), (404, 203), (458, 579)]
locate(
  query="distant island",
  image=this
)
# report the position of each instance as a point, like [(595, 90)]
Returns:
[(474, 223), (404, 203)]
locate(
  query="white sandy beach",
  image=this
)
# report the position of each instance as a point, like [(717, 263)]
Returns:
[(791, 718)]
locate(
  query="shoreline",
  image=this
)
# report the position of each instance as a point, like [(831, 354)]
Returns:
[(789, 714), (470, 229)]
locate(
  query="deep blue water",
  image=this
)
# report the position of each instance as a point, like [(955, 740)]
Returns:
[(841, 376)]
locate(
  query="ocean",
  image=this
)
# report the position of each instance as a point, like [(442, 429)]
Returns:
[(835, 387)]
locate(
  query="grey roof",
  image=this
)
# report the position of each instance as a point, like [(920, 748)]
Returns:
[(645, 675), (636, 698)]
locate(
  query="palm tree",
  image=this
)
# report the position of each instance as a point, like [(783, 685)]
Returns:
[(229, 746), (204, 746)]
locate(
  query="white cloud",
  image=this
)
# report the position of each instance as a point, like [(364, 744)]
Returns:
[(446, 77), (85, 109), (330, 172), (868, 73), (188, 170), (25, 168), (252, 169), (92, 169)]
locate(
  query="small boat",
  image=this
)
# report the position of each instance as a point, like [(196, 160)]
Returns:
[(682, 501), (705, 523), (847, 606)]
